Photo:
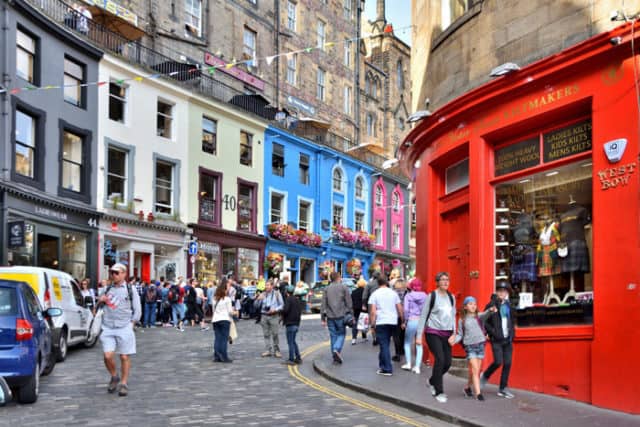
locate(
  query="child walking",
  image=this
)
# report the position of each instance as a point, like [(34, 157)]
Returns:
[(473, 336)]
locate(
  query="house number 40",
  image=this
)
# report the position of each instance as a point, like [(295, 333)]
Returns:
[(229, 202)]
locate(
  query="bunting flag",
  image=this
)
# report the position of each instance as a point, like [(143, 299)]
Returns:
[(269, 59)]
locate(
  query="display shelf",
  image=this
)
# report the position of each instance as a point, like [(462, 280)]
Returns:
[(502, 209), (505, 277), (502, 243), (502, 227), (501, 260)]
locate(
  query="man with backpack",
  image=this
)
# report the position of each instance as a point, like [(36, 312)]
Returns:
[(121, 311), (150, 296), (176, 299)]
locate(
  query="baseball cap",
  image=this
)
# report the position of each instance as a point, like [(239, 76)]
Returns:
[(503, 285), (118, 267), (468, 299)]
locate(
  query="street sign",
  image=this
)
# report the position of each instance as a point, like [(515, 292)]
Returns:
[(192, 259), (193, 248)]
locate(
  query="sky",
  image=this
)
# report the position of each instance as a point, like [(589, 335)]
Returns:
[(398, 13)]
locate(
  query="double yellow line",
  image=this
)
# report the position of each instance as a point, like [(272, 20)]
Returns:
[(295, 373)]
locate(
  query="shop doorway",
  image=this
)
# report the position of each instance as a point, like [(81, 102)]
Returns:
[(229, 261), (307, 269), (48, 254), (142, 266)]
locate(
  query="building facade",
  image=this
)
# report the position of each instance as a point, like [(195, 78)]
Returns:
[(50, 155), (521, 176)]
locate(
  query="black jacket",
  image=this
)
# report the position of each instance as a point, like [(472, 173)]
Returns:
[(356, 298), (493, 324), (292, 312)]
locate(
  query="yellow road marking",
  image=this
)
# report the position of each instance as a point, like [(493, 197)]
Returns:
[(295, 373)]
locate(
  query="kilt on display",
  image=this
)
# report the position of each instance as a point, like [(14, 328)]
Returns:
[(548, 261), (524, 264), (577, 259)]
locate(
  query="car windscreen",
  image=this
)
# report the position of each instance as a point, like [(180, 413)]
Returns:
[(8, 301)]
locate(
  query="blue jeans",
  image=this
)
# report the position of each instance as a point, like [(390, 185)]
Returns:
[(177, 313), (409, 334), (220, 340), (150, 314), (383, 335), (337, 332), (294, 352)]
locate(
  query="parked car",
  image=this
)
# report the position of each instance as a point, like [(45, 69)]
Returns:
[(55, 288), (315, 295), (25, 339)]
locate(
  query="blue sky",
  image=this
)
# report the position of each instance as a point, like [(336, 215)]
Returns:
[(398, 13)]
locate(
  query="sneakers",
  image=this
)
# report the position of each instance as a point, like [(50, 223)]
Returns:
[(278, 354), (432, 389), (442, 398), (298, 361), (467, 392), (353, 341), (416, 370), (288, 362), (396, 358), (113, 384), (506, 394), (123, 390), (266, 354), (483, 380), (384, 373), (337, 357), (204, 329), (480, 397), (406, 367)]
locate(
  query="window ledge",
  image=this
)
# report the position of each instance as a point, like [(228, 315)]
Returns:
[(554, 333)]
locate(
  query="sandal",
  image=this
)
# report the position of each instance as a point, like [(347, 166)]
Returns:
[(124, 390), (113, 384)]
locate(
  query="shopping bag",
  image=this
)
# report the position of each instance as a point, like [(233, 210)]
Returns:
[(363, 322), (233, 332)]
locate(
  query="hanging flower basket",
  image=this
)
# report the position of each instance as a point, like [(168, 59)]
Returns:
[(354, 267)]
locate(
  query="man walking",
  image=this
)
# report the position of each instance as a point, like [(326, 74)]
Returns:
[(272, 305), (336, 303), (371, 287), (386, 311), (121, 311)]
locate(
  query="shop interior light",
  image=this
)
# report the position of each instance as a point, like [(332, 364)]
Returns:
[(503, 69), (587, 164), (552, 173), (524, 181)]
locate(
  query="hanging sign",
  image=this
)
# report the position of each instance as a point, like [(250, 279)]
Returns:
[(15, 231), (518, 156), (567, 141), (236, 72)]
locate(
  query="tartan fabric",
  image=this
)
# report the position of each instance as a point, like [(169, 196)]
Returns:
[(546, 265), (577, 259), (525, 269)]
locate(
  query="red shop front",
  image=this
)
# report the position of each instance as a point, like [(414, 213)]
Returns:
[(532, 179)]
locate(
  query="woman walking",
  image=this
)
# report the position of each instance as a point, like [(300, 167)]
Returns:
[(438, 313), (356, 299), (413, 303), (222, 312)]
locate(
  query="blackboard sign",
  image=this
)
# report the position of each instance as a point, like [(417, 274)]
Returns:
[(15, 231), (567, 141), (518, 156), (325, 224)]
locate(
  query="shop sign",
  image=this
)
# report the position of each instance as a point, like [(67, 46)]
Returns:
[(51, 213), (518, 156), (211, 248), (567, 141), (301, 105), (15, 231), (616, 177), (115, 9), (233, 71)]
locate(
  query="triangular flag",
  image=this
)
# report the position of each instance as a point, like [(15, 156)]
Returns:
[(121, 81), (14, 91), (138, 79), (229, 66), (330, 44), (308, 50), (212, 70), (388, 29), (31, 88), (101, 83), (270, 59), (51, 87)]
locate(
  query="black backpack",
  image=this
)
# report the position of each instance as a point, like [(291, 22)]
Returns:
[(191, 296), (150, 295), (432, 302), (174, 294)]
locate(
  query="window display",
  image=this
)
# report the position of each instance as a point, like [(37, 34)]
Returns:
[(543, 244), (207, 261), (248, 263), (74, 254)]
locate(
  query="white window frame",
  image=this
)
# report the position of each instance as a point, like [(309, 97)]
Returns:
[(347, 9), (171, 188), (249, 46), (334, 180), (395, 236), (355, 220), (309, 203), (292, 15), (377, 232), (170, 117), (30, 51), (395, 201), (292, 69), (333, 214), (308, 174), (379, 196), (320, 84), (347, 100), (193, 15), (348, 45), (67, 161), (321, 34), (359, 184), (282, 195), (371, 124)]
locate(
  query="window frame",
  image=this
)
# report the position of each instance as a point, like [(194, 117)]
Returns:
[(395, 237), (321, 34), (338, 171), (309, 219), (347, 100), (333, 214), (347, 9), (282, 210), (189, 12), (86, 136), (31, 145), (395, 201), (292, 69), (217, 210), (355, 220), (321, 75), (348, 54), (249, 147), (122, 100), (371, 124), (170, 117), (378, 231), (249, 51), (378, 196), (108, 172), (277, 160), (35, 57), (292, 11), (214, 135), (172, 207), (254, 204), (400, 75), (82, 95), (303, 169), (359, 188)]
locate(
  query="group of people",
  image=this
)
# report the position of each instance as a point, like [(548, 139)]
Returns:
[(410, 316)]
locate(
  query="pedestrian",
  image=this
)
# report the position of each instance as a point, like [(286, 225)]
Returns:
[(165, 306), (472, 334), (261, 285), (271, 306), (291, 315), (249, 298), (198, 315), (302, 292), (222, 318), (87, 292), (211, 289), (438, 314), (400, 287), (121, 311), (368, 291), (413, 303), (102, 286), (385, 312), (356, 300), (336, 304), (176, 299), (501, 333), (150, 297)]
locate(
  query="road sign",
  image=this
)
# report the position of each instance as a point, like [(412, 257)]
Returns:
[(192, 259), (193, 248)]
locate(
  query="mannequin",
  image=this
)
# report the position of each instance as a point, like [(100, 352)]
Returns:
[(572, 223), (547, 265), (523, 255)]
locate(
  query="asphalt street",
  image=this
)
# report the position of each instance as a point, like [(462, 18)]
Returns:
[(175, 382)]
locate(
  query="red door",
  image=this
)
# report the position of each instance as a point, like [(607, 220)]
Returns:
[(455, 246)]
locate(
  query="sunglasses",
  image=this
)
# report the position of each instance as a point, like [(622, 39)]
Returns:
[(115, 272)]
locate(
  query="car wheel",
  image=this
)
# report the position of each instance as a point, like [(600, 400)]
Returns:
[(28, 393), (63, 347), (51, 363)]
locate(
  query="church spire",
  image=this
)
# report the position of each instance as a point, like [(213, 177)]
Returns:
[(380, 15)]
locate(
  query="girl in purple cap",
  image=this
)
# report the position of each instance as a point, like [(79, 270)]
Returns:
[(473, 336)]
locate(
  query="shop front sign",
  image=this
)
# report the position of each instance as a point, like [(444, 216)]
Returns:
[(567, 141), (515, 157), (15, 231), (616, 177)]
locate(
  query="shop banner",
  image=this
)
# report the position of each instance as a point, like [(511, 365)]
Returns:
[(519, 156), (15, 231), (567, 141)]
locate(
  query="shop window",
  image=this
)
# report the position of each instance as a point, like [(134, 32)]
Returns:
[(246, 207), (207, 262), (359, 188), (337, 179), (377, 232), (26, 144), (277, 209), (209, 196), (359, 221), (246, 148), (457, 176), (22, 255), (248, 263), (338, 214), (277, 160), (26, 55), (164, 188), (74, 254), (304, 169), (209, 135), (164, 122), (291, 15), (304, 213), (292, 69), (117, 102), (543, 244), (74, 77), (72, 162), (193, 17)]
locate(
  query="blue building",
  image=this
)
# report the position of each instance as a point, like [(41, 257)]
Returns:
[(309, 189)]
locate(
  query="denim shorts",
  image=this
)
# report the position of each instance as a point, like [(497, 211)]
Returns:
[(475, 351)]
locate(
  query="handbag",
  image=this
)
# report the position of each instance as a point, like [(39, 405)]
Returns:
[(363, 322), (233, 332), (563, 250), (348, 319)]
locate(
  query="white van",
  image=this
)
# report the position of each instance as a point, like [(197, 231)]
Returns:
[(58, 289)]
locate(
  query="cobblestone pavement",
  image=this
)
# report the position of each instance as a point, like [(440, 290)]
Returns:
[(175, 382)]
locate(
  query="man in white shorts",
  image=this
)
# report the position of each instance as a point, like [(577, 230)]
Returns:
[(121, 310)]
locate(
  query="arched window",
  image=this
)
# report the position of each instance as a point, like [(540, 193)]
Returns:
[(371, 124), (337, 179), (400, 75), (374, 88), (367, 85), (359, 188), (395, 201), (379, 196)]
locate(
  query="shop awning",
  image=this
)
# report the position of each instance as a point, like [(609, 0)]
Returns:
[(126, 28), (315, 122)]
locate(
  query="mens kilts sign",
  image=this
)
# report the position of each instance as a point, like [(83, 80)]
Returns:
[(15, 231)]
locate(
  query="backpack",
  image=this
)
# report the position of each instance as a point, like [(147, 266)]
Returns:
[(174, 294), (191, 296), (432, 302), (150, 296)]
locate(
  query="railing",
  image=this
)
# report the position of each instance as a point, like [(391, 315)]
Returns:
[(207, 210)]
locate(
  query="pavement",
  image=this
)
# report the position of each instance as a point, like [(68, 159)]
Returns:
[(408, 390)]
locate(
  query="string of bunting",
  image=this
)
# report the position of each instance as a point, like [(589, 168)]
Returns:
[(211, 69)]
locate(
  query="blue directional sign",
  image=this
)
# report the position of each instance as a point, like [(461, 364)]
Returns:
[(193, 248)]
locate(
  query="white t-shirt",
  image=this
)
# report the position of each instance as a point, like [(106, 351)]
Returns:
[(223, 309), (385, 300)]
